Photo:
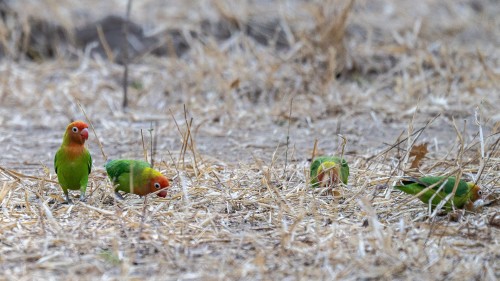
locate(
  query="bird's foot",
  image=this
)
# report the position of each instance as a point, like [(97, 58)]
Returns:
[(455, 215), (83, 198)]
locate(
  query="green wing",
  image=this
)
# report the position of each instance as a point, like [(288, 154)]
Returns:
[(55, 161), (115, 168), (315, 166), (89, 162), (414, 186)]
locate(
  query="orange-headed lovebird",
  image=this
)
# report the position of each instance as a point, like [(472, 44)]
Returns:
[(73, 162), (466, 194), (137, 177)]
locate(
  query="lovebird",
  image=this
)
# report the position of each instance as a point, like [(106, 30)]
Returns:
[(466, 194), (144, 178), (328, 170), (73, 162)]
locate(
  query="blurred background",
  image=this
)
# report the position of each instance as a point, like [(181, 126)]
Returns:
[(363, 69)]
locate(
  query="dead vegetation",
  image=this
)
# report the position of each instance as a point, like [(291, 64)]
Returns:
[(411, 86)]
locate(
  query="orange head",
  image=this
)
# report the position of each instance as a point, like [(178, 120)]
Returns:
[(77, 132), (476, 197), (477, 193), (159, 183), (328, 174)]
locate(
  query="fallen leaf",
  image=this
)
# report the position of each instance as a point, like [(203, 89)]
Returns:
[(419, 151), (235, 84)]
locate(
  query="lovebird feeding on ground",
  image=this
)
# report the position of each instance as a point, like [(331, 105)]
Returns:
[(73, 162), (328, 170), (135, 176), (466, 194)]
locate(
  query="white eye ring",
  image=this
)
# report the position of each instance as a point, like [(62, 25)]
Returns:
[(157, 185), (480, 192), (74, 129)]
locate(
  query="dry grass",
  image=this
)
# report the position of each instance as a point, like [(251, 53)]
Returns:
[(411, 73)]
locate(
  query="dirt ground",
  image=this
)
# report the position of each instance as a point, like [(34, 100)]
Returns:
[(237, 93)]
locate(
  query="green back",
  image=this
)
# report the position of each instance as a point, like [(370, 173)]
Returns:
[(415, 186), (424, 182), (119, 173), (115, 168)]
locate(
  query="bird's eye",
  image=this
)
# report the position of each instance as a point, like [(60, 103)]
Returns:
[(480, 192), (157, 185), (74, 129)]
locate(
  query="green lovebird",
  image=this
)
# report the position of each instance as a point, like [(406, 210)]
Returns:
[(73, 162), (145, 179), (328, 170), (466, 194)]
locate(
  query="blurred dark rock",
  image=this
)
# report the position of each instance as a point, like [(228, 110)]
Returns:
[(33, 38), (113, 31), (39, 39), (267, 33), (172, 41), (44, 39), (264, 32)]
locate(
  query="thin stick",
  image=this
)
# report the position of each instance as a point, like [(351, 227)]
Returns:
[(99, 210), (104, 43), (188, 139), (315, 147), (477, 117), (419, 132), (125, 56), (182, 135), (93, 130), (344, 143), (175, 121), (17, 176), (288, 137), (152, 140), (144, 149), (192, 147)]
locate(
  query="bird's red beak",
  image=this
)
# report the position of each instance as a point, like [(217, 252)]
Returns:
[(162, 193), (85, 134)]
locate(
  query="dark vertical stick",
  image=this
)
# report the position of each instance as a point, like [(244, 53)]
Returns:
[(152, 143), (315, 148), (288, 136), (125, 56), (144, 149)]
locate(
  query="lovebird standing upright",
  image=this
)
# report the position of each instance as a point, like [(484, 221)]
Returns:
[(73, 162), (137, 177), (466, 195), (328, 170)]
